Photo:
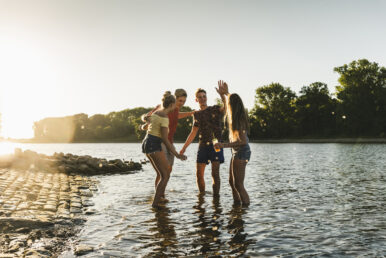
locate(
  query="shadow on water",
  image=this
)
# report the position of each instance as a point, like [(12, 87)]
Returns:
[(164, 242), (215, 233), (207, 234), (239, 241)]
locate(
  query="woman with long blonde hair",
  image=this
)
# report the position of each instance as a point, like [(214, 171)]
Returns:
[(238, 126)]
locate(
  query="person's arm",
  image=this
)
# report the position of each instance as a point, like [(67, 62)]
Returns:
[(240, 142), (145, 117), (222, 90), (165, 140), (185, 114), (144, 127), (190, 138)]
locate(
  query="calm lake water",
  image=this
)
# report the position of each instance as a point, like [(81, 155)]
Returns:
[(306, 200)]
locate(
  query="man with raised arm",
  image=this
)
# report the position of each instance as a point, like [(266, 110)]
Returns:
[(207, 123)]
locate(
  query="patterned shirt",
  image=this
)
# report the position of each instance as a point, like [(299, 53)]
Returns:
[(208, 122)]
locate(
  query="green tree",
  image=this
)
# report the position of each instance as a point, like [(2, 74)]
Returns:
[(315, 111), (273, 113), (184, 126), (362, 98)]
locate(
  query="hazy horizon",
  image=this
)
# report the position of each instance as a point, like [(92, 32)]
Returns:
[(69, 57)]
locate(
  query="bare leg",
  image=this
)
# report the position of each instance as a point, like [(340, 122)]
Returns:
[(158, 177), (216, 178), (161, 165), (236, 197), (200, 177), (238, 176)]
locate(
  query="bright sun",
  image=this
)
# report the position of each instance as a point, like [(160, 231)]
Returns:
[(16, 128), (27, 78)]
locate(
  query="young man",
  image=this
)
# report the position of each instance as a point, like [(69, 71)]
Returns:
[(207, 123)]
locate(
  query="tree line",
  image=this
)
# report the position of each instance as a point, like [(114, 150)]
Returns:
[(356, 109)]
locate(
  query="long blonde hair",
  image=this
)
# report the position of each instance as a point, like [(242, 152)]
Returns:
[(236, 117)]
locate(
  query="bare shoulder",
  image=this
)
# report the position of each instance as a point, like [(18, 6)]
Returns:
[(160, 113)]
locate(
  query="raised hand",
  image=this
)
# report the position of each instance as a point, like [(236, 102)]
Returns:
[(222, 88)]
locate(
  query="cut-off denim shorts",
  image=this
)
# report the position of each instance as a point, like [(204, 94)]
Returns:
[(243, 153), (207, 154), (151, 144)]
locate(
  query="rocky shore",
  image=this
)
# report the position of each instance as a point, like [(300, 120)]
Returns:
[(45, 199)]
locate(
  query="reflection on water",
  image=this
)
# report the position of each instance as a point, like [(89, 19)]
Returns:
[(164, 238), (207, 227), (239, 241), (306, 200)]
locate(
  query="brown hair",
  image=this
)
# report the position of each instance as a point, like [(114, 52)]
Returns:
[(236, 116), (180, 93), (168, 99), (199, 90)]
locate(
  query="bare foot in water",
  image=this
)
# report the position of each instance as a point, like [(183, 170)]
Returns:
[(163, 200)]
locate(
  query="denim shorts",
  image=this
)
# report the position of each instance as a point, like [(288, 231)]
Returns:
[(243, 153), (151, 144), (207, 153)]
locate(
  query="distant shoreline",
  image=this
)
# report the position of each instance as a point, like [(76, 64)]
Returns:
[(322, 140), (289, 140)]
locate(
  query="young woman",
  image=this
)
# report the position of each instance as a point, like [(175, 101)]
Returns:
[(157, 133), (174, 115), (238, 125)]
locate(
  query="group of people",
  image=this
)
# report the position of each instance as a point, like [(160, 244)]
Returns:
[(161, 124)]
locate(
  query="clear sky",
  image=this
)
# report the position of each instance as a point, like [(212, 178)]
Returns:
[(66, 57)]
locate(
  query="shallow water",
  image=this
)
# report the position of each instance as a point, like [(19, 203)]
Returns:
[(306, 199)]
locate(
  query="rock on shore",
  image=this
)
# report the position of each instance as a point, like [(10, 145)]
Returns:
[(66, 163), (44, 200)]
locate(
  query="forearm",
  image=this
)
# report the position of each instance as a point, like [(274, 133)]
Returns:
[(224, 101), (184, 114), (144, 127), (234, 144), (170, 146), (189, 140)]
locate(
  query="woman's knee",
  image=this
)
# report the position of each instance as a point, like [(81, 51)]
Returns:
[(165, 177), (239, 186)]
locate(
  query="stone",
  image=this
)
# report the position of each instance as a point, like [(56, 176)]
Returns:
[(86, 193), (8, 207), (75, 210), (90, 211), (14, 248), (49, 207), (83, 249), (88, 203), (76, 205), (23, 230)]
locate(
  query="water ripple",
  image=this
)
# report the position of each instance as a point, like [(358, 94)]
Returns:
[(307, 200)]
